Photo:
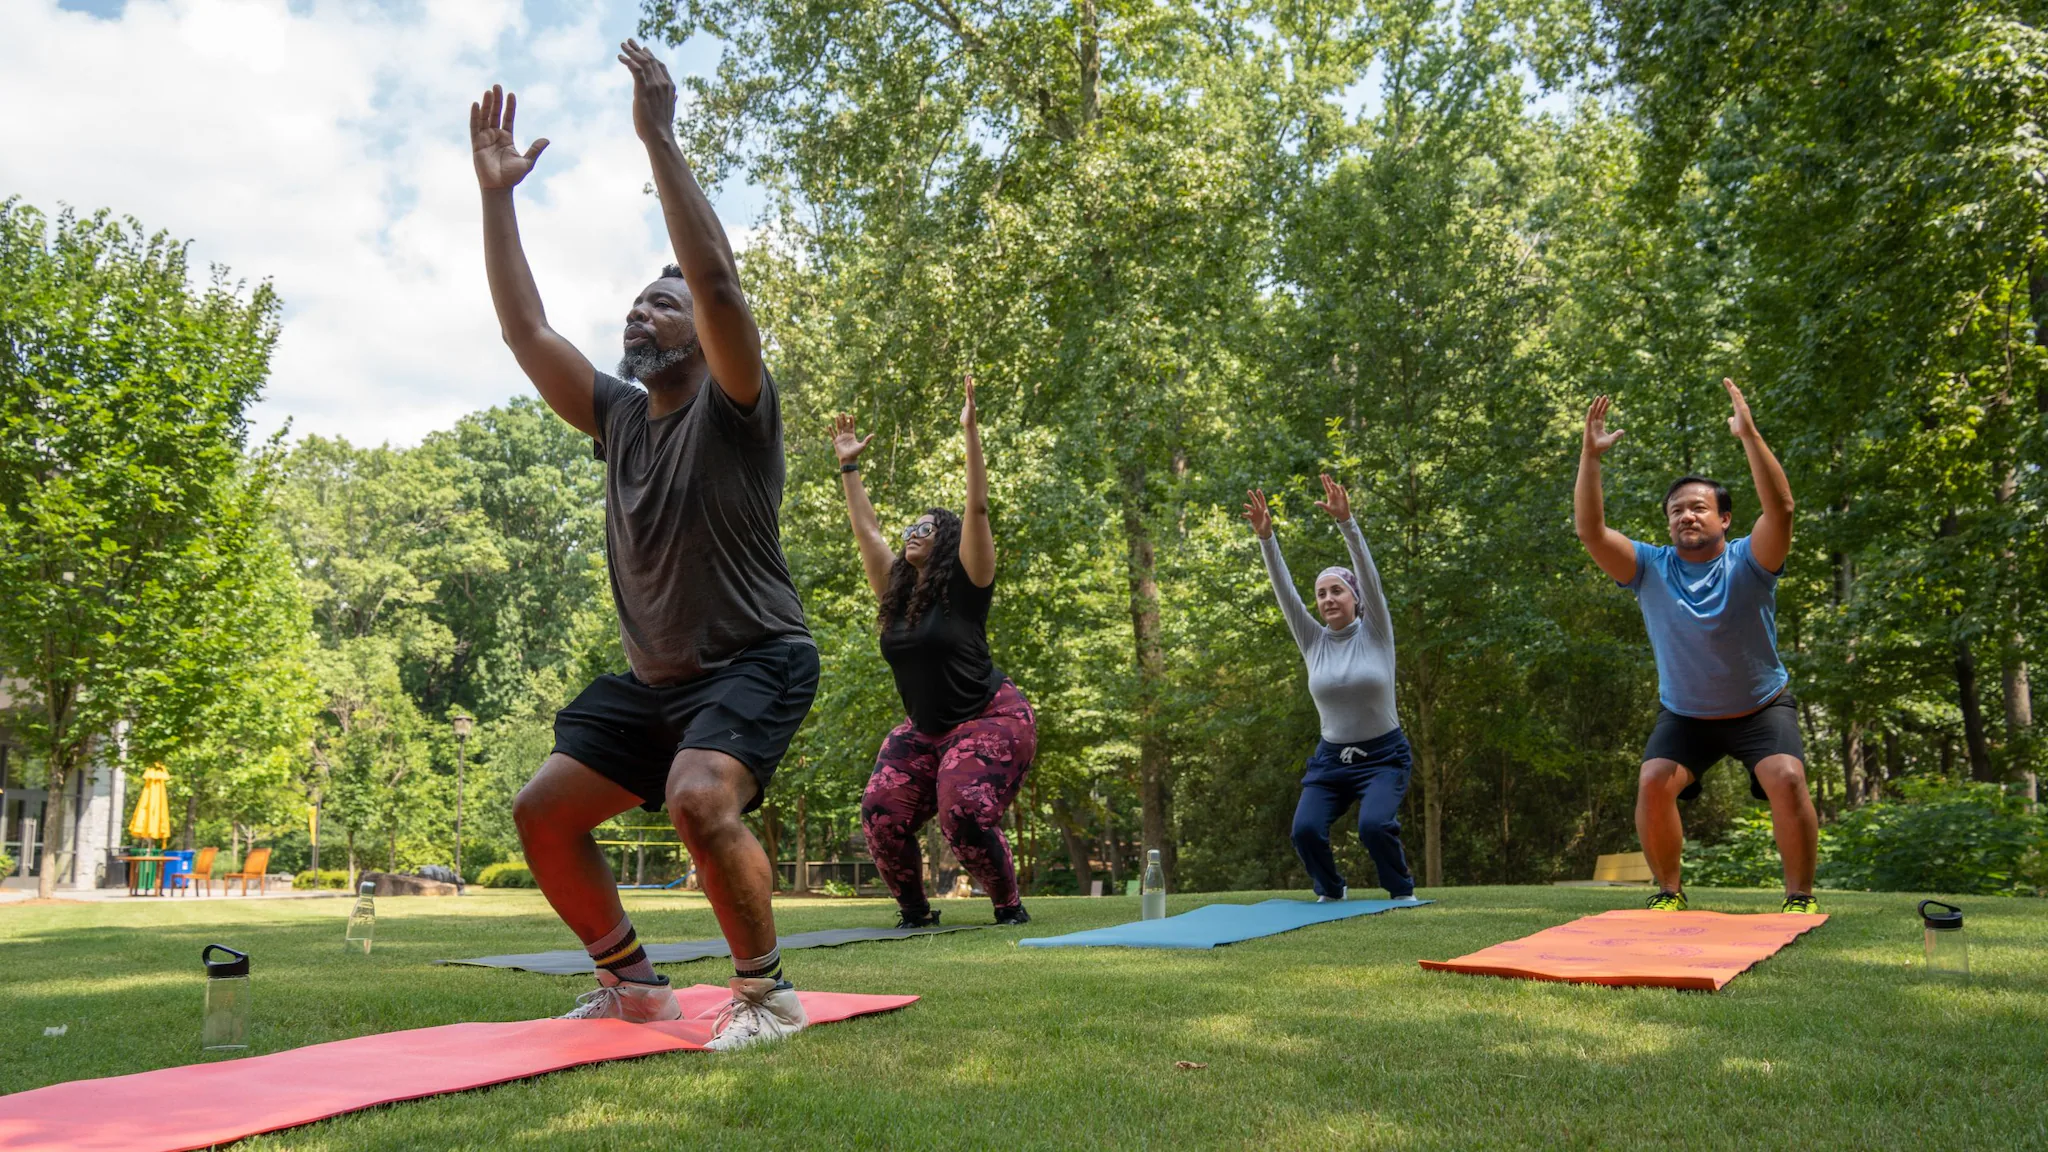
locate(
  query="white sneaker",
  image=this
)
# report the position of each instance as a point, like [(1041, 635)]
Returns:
[(1343, 895), (760, 1010), (628, 1000), (1410, 898)]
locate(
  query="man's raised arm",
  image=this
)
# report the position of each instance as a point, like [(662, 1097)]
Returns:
[(725, 325), (1613, 552), (557, 369), (1771, 540)]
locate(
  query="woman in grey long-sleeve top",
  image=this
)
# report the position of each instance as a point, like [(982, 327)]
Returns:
[(1363, 755)]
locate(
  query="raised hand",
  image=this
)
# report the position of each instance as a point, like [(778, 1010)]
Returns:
[(499, 162), (1598, 439), (1741, 423), (1336, 501), (967, 415), (847, 443), (654, 93), (1255, 510)]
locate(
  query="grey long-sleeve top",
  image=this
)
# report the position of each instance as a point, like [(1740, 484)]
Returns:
[(1350, 669)]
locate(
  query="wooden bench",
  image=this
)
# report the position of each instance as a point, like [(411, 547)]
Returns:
[(1615, 868)]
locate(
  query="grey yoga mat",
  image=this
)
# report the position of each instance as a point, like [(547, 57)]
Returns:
[(573, 962)]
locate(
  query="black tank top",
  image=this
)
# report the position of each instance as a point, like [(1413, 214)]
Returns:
[(942, 666)]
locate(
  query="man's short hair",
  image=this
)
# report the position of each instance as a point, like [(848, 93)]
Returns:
[(1720, 492), (671, 272)]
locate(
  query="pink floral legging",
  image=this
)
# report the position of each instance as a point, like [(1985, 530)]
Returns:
[(967, 778)]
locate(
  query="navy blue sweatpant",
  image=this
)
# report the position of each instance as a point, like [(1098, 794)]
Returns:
[(1375, 775)]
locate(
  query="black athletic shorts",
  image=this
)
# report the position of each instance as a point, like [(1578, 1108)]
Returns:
[(629, 732), (1772, 730)]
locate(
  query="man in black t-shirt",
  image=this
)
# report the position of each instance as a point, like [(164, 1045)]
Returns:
[(723, 669)]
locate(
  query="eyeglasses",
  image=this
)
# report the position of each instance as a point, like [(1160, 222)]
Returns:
[(920, 530)]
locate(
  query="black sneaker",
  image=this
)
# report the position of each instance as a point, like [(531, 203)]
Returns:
[(930, 919), (1013, 915)]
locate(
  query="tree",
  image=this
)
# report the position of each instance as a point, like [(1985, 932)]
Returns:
[(124, 506)]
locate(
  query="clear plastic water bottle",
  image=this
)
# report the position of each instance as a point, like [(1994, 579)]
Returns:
[(1152, 894), (1948, 954), (225, 1027), (362, 921)]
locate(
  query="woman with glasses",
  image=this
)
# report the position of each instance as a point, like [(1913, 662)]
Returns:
[(969, 736)]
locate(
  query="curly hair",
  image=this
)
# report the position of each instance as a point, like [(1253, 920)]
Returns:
[(911, 594)]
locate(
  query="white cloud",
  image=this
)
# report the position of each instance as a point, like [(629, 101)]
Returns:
[(325, 146)]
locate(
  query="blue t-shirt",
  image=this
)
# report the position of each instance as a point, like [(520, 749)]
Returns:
[(1713, 627)]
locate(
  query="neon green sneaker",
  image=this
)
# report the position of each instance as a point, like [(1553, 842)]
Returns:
[(1668, 902), (1803, 905)]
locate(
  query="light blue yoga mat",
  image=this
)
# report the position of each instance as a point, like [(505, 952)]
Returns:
[(1214, 924)]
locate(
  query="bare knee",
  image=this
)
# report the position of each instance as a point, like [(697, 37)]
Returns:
[(1662, 781), (706, 792), (1782, 776)]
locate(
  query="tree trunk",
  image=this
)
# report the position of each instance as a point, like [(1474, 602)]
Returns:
[(55, 821), (352, 860), (802, 880), (1854, 785), (2019, 721), (1974, 741), (1429, 769), (1076, 843), (1112, 849), (1894, 757), (1155, 766)]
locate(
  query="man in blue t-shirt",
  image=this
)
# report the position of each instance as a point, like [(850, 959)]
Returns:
[(1710, 606)]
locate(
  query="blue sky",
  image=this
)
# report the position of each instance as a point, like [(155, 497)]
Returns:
[(323, 145)]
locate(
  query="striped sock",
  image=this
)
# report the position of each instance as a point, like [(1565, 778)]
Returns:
[(619, 953), (767, 967)]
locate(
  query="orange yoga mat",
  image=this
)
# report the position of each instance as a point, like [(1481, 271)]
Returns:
[(198, 1105), (1697, 950)]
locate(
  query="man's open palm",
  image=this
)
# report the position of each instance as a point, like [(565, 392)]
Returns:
[(1597, 439), (1740, 422), (499, 162)]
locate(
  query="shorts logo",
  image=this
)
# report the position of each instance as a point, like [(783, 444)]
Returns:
[(1349, 752)]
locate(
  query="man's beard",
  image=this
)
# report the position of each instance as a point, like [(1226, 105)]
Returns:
[(643, 360)]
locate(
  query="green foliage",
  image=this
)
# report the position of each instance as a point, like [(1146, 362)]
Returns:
[(325, 878), (506, 874), (1747, 857), (838, 888), (139, 586), (6, 864), (1955, 838)]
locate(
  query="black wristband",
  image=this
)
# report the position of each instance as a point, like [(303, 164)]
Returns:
[(850, 466)]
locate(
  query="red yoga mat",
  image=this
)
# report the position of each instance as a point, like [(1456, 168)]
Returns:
[(198, 1105), (1696, 950)]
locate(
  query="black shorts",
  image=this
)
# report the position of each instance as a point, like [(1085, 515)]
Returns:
[(629, 732), (1772, 730)]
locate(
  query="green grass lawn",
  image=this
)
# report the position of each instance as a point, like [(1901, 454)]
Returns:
[(1329, 1037)]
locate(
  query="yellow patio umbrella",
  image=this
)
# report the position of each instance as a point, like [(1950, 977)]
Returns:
[(153, 811), (152, 819)]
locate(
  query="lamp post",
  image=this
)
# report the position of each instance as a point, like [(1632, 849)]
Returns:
[(463, 724)]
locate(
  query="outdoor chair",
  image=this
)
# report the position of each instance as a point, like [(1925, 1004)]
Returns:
[(255, 866), (200, 872)]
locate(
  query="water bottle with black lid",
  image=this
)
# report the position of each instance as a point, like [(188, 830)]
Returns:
[(225, 1026), (1948, 954), (362, 920)]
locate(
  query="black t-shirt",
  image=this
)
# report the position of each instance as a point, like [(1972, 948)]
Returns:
[(692, 532), (942, 666)]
